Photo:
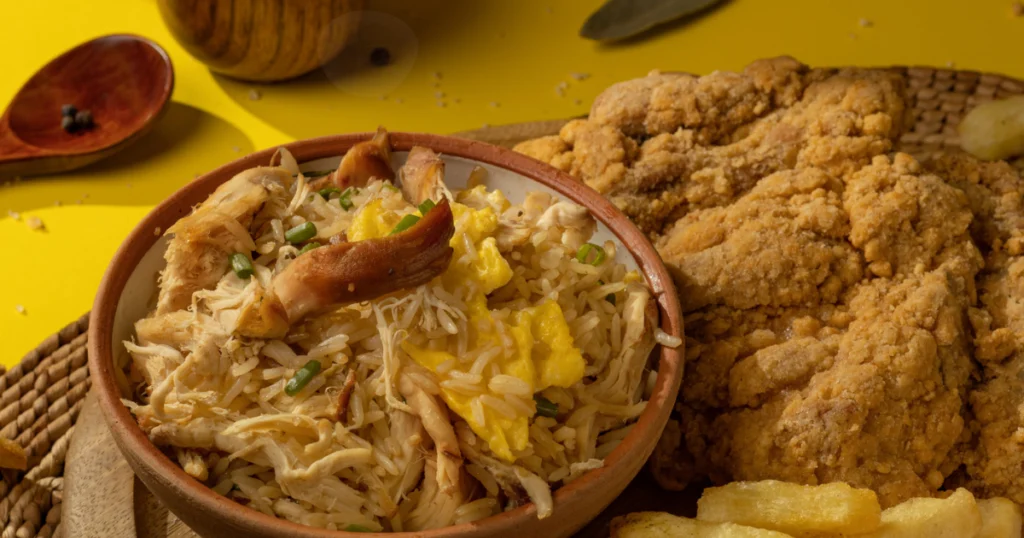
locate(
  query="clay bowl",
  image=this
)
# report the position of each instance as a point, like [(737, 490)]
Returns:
[(128, 288), (259, 40)]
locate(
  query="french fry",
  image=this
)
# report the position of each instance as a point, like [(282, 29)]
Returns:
[(994, 130), (1000, 518), (662, 525), (801, 511), (12, 456), (954, 517)]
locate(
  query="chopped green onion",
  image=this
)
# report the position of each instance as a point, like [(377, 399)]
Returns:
[(583, 254), (309, 247), (545, 407), (345, 200), (302, 378), (357, 528), (427, 205), (391, 187), (404, 224), (241, 265), (301, 233), (327, 192)]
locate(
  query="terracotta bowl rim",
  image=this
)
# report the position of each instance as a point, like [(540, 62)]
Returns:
[(131, 438)]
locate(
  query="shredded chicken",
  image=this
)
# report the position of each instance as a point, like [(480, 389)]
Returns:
[(197, 254), (340, 380), (434, 416)]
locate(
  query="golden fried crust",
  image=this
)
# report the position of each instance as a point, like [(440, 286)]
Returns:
[(868, 392), (851, 315), (781, 244), (994, 458), (905, 221), (666, 144)]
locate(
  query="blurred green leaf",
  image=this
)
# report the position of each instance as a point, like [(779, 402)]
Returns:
[(618, 19)]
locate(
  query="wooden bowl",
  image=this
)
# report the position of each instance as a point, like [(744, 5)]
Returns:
[(128, 289), (262, 40)]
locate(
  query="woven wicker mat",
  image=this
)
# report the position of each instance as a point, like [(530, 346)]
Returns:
[(40, 398)]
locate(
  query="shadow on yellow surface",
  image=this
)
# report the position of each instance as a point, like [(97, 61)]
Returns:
[(185, 142), (307, 106)]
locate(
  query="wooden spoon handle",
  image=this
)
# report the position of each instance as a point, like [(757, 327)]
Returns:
[(16, 157)]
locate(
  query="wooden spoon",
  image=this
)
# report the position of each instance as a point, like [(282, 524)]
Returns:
[(124, 80)]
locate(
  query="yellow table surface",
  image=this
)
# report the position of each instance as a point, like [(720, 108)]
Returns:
[(499, 62)]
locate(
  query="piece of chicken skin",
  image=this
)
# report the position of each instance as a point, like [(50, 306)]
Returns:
[(350, 272), (363, 162)]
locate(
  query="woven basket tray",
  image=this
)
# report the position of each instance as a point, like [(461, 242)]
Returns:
[(40, 398)]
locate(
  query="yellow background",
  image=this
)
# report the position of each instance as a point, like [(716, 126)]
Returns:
[(500, 62)]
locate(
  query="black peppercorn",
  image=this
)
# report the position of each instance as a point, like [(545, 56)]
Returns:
[(83, 119), (68, 110), (380, 57), (68, 124)]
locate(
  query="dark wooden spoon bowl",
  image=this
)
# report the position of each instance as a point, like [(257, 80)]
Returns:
[(124, 80)]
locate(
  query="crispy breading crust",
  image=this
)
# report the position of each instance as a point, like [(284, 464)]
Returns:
[(851, 314)]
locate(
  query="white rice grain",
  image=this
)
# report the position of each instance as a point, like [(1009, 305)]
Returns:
[(666, 339), (334, 344), (478, 412), (507, 384), (498, 405)]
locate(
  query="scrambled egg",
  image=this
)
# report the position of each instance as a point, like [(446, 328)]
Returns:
[(372, 221), (545, 355)]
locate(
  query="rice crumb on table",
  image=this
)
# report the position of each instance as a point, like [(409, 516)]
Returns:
[(20, 309), (865, 23), (1018, 9), (35, 223), (14, 215)]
